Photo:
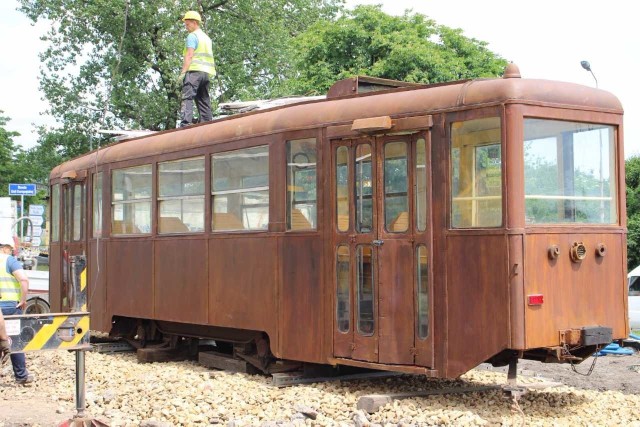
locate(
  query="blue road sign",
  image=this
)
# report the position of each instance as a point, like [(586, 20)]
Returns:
[(22, 189)]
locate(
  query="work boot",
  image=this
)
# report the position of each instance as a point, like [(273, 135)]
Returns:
[(26, 380), (5, 351)]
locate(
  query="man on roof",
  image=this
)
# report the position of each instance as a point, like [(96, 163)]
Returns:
[(197, 68)]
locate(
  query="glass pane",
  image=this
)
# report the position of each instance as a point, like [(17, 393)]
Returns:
[(422, 278), (421, 185), (55, 213), (301, 184), (343, 300), (342, 188), (131, 218), (67, 211), (78, 218), (366, 293), (569, 172), (396, 199), (181, 215), (181, 178), (364, 189), (476, 173), (97, 204), (240, 189), (131, 184), (179, 185)]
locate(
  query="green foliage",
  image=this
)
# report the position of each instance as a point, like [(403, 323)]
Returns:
[(366, 41), (136, 47), (632, 177), (9, 152)]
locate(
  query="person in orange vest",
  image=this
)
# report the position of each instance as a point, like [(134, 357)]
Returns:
[(198, 67), (14, 286)]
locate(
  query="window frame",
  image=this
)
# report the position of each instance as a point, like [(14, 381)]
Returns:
[(159, 199), (468, 116), (241, 190), (149, 200), (290, 201)]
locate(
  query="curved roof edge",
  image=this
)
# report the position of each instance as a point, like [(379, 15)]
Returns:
[(404, 101)]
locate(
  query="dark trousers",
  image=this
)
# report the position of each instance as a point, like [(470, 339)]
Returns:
[(195, 87), (17, 359)]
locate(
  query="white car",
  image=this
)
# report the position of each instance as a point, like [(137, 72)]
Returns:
[(634, 298)]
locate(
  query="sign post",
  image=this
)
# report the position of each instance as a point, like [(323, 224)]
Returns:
[(22, 190)]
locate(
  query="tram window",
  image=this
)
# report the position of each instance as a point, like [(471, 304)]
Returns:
[(421, 185), (78, 211), (569, 172), (97, 205), (343, 298), (396, 200), (181, 196), (342, 188), (240, 189), (301, 184), (67, 212), (422, 279), (55, 212), (366, 291), (364, 189), (131, 200), (476, 173)]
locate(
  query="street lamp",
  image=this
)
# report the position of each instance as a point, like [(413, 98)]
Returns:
[(587, 66)]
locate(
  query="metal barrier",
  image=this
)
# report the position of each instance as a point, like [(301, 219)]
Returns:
[(60, 331)]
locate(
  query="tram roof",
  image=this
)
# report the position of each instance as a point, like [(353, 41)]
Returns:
[(343, 110)]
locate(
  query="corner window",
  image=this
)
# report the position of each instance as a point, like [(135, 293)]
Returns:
[(97, 205), (476, 173), (569, 172), (421, 185), (240, 189), (55, 212), (131, 200), (301, 184), (181, 196)]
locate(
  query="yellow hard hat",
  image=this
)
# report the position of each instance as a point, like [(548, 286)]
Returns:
[(192, 14)]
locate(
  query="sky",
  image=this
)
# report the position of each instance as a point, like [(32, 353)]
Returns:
[(547, 39)]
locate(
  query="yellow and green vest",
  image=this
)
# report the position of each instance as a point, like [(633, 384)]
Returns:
[(203, 55), (9, 287)]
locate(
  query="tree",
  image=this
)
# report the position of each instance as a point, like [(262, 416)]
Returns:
[(114, 62), (632, 178), (8, 154), (367, 41)]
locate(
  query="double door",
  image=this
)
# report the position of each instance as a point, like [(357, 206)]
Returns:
[(382, 249)]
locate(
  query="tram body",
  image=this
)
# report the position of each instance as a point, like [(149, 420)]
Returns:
[(423, 229)]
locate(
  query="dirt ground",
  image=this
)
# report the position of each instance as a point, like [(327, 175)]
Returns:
[(611, 372), (33, 405)]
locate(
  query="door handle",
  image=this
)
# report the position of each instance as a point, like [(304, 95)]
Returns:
[(378, 242)]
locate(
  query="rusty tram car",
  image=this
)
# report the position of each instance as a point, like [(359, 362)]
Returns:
[(421, 229)]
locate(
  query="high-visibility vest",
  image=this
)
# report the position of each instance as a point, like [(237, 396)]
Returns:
[(203, 55), (10, 289)]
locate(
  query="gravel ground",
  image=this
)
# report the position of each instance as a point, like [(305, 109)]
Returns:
[(122, 392)]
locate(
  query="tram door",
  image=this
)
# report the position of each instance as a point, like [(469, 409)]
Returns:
[(382, 249), (73, 229)]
